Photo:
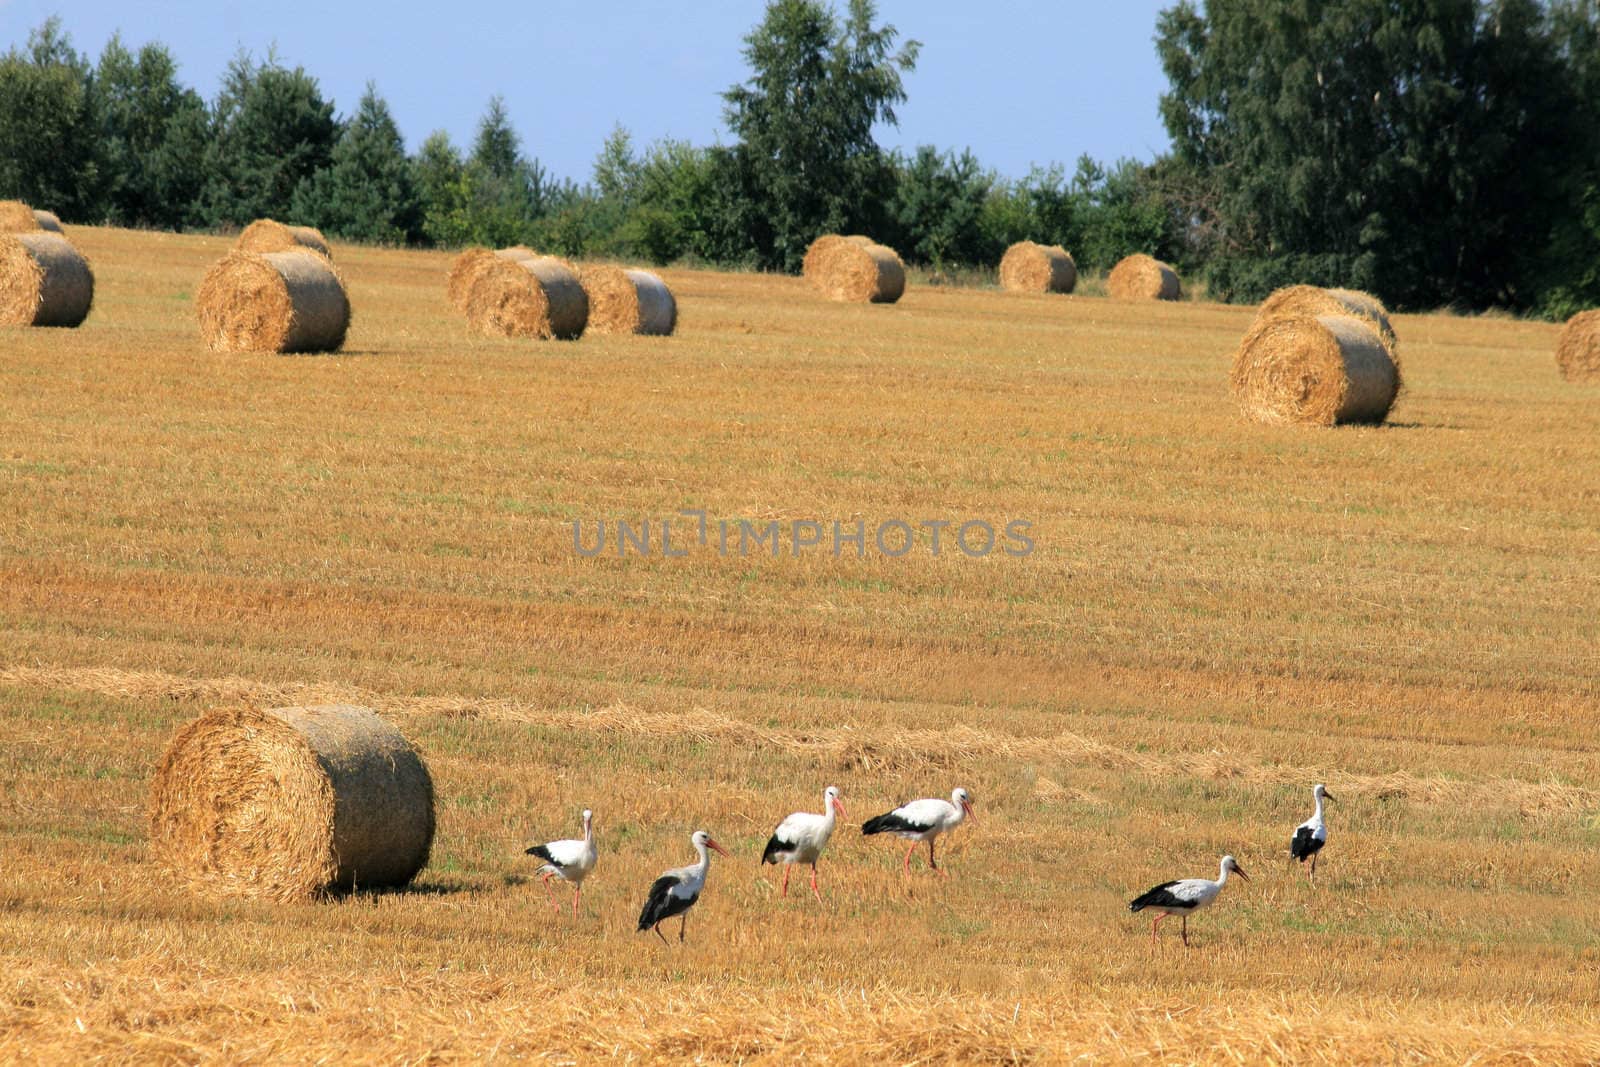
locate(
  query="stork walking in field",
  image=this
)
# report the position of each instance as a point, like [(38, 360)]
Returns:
[(801, 838), (1311, 835), (922, 820), (571, 861), (675, 892), (1185, 896)]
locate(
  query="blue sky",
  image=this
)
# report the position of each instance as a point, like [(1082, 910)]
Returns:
[(1017, 82)]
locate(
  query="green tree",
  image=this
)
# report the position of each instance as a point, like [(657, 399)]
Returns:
[(366, 193), (938, 208), (273, 130), (152, 129), (806, 159), (49, 138), (1416, 147)]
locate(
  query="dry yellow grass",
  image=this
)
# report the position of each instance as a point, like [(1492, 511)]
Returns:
[(1217, 614)]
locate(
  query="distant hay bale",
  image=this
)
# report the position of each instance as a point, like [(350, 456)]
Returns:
[(816, 251), (17, 217), (464, 271), (540, 297), (292, 803), (47, 220), (1142, 277), (856, 269), (1578, 349), (1314, 369), (273, 302), (1312, 300), (629, 301), (267, 235), (44, 281), (1028, 267)]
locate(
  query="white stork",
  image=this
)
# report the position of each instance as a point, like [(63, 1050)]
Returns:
[(922, 820), (801, 838), (675, 892), (570, 861), (1185, 896), (1311, 835)]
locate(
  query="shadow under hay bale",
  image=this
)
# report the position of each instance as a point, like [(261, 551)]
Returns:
[(1142, 277), (269, 235), (468, 265), (856, 269), (1317, 370), (44, 281), (1578, 348), (292, 803), (539, 298), (273, 302), (629, 301), (1296, 300), (1028, 267)]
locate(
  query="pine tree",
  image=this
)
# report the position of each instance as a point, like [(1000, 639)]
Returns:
[(366, 193)]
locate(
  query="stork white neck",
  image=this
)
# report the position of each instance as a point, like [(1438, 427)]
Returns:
[(1222, 878), (1316, 816)]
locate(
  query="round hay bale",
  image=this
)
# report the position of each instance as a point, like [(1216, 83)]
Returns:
[(1028, 267), (47, 220), (17, 217), (540, 297), (1142, 277), (1314, 369), (629, 301), (44, 281), (292, 803), (273, 302), (1578, 348), (267, 235), (1313, 300), (860, 271), (816, 251), (464, 271)]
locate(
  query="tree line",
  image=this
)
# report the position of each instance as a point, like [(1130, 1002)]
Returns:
[(1437, 152)]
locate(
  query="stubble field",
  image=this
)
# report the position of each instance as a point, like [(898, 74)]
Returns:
[(1215, 616)]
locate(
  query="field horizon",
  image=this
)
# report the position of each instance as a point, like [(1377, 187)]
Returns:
[(1215, 615)]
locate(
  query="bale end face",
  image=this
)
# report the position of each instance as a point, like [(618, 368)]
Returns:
[(44, 281), (273, 302), (292, 803), (1314, 370), (1578, 348), (1034, 268), (17, 217)]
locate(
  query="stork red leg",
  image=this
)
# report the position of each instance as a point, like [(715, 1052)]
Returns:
[(1186, 931), (662, 936), (942, 872), (909, 851), (814, 890), (1154, 926), (786, 868), (550, 892), (683, 922), (1313, 867), (577, 895)]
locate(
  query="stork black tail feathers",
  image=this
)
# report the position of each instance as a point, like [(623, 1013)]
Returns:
[(540, 851), (1159, 895), (774, 848), (882, 824)]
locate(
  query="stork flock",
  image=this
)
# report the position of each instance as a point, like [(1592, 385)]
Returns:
[(802, 837)]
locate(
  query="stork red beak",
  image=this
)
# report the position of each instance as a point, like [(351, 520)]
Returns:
[(1240, 872), (1327, 795), (719, 848), (968, 809), (838, 805)]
